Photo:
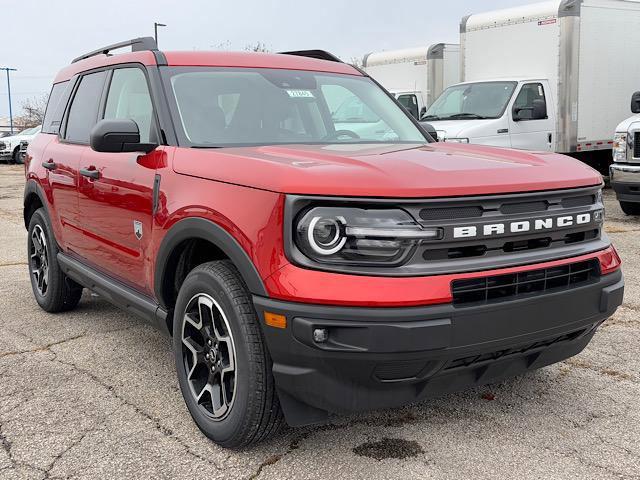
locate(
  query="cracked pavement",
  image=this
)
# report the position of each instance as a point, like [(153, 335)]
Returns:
[(93, 394)]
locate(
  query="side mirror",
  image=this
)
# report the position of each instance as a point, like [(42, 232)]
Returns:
[(538, 111), (423, 112), (635, 103), (118, 135), (430, 130)]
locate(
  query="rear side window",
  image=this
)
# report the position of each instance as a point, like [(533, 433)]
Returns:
[(83, 113), (129, 98), (55, 107)]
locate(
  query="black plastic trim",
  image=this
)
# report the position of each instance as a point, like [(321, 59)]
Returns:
[(137, 45), (317, 54), (200, 228), (115, 292), (31, 187)]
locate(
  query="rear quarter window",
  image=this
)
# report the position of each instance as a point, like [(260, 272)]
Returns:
[(58, 99)]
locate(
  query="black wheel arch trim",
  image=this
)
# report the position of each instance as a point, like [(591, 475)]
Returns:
[(203, 229), (32, 187)]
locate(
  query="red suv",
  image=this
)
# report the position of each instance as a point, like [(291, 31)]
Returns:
[(302, 238)]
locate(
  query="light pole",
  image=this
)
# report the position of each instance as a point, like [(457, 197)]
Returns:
[(155, 30), (7, 69)]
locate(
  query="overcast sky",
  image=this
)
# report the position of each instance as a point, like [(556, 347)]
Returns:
[(41, 36)]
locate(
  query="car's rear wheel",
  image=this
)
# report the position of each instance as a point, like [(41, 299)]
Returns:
[(223, 366), (53, 290), (630, 208)]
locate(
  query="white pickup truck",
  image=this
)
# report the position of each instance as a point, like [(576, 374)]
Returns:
[(544, 77), (625, 171), (10, 147)]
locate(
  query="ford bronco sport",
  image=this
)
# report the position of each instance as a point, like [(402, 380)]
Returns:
[(304, 264)]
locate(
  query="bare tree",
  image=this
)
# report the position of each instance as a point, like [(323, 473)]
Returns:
[(257, 47), (33, 111)]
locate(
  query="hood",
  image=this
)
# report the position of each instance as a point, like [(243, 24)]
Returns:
[(458, 128), (625, 125), (432, 170)]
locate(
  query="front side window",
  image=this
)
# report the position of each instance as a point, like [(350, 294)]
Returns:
[(526, 101), (83, 113), (129, 98), (244, 106), (410, 102), (472, 100)]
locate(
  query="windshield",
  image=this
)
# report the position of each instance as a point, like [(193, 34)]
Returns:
[(472, 100), (222, 107)]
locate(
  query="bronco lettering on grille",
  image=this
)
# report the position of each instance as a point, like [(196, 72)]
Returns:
[(523, 226)]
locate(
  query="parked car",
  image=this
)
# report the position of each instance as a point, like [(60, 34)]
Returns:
[(10, 146), (542, 77), (302, 268), (625, 171), (416, 76)]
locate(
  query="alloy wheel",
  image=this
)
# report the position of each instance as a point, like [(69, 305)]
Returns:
[(39, 259), (209, 356)]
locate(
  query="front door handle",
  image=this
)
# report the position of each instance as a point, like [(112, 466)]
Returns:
[(50, 164), (90, 173)]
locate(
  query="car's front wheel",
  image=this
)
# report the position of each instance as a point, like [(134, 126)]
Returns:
[(630, 208), (223, 366)]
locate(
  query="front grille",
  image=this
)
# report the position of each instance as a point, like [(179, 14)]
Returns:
[(636, 145), (450, 213), (2, 145), (473, 360), (506, 287)]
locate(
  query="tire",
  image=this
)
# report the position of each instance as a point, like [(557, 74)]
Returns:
[(233, 407), (630, 208), (16, 155), (53, 290)]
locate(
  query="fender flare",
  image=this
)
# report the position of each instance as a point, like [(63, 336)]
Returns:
[(32, 187), (201, 228)]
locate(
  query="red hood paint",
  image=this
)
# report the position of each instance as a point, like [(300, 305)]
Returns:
[(434, 170)]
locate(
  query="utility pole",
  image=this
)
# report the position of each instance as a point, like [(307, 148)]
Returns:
[(155, 30), (7, 69)]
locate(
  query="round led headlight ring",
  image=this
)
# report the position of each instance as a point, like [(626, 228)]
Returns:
[(326, 235)]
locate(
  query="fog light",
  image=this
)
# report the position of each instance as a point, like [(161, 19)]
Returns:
[(320, 335)]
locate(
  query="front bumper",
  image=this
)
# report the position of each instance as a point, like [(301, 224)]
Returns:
[(625, 181), (389, 357)]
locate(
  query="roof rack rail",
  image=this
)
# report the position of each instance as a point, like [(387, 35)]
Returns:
[(137, 45), (319, 54)]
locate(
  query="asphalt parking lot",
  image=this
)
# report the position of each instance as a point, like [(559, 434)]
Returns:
[(93, 394)]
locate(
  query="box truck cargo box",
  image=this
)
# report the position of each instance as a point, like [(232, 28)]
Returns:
[(415, 76), (549, 76)]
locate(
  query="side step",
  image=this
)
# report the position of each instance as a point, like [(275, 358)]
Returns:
[(115, 292)]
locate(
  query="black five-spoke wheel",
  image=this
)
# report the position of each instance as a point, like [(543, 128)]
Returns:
[(39, 259), (209, 356)]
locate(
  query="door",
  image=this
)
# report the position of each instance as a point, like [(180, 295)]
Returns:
[(116, 189), (64, 153), (530, 125)]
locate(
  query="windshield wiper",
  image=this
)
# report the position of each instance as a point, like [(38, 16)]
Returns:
[(430, 117), (467, 115)]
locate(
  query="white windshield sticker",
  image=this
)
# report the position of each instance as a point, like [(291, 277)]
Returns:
[(300, 93)]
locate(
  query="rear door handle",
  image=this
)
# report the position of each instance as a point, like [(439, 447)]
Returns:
[(50, 164), (90, 173)]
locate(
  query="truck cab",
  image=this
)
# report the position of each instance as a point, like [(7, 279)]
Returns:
[(511, 113), (625, 171)]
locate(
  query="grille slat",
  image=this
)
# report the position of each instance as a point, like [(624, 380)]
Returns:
[(636, 145), (504, 287)]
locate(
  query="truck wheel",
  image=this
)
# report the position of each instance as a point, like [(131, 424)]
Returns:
[(17, 157), (223, 366), (630, 208), (54, 291)]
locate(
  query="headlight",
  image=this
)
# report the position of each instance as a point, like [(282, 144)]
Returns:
[(620, 147), (457, 140), (360, 236)]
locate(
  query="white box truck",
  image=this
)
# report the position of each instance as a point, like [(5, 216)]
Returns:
[(551, 76), (415, 76)]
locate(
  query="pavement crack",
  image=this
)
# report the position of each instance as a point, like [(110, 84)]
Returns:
[(610, 372), (42, 348), (165, 431)]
